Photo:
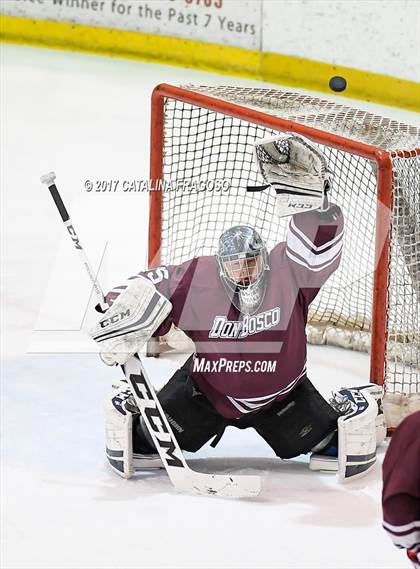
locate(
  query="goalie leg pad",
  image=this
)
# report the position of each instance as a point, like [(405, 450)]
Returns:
[(357, 435), (119, 432), (323, 459), (120, 418)]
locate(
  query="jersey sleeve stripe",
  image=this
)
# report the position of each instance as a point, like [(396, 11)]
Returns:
[(401, 528), (314, 268), (409, 541), (306, 241), (313, 258), (292, 236)]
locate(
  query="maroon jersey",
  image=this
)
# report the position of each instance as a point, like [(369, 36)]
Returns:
[(245, 362), (401, 489)]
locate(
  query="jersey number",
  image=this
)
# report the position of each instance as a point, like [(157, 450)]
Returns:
[(157, 275)]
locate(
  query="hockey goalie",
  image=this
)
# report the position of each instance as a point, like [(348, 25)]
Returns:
[(245, 309)]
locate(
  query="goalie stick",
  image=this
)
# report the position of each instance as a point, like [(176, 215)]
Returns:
[(181, 475)]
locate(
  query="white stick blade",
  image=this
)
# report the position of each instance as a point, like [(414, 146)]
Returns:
[(218, 485)]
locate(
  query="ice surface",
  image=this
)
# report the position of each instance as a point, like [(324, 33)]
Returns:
[(86, 117)]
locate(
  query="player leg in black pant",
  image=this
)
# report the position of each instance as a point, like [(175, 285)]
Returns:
[(291, 427), (193, 419), (296, 424)]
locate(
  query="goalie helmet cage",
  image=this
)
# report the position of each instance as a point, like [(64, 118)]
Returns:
[(371, 303)]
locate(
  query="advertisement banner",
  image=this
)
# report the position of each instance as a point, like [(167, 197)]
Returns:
[(225, 22)]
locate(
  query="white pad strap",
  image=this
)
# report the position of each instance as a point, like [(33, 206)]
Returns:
[(131, 321), (357, 435)]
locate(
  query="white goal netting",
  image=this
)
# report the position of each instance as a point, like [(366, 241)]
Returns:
[(202, 144)]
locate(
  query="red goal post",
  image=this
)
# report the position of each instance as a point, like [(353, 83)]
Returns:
[(229, 105)]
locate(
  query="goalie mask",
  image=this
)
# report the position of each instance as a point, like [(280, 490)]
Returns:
[(242, 258)]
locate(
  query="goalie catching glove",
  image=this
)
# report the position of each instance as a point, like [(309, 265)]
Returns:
[(296, 169), (130, 322)]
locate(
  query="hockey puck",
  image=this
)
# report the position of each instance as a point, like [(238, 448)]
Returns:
[(337, 84)]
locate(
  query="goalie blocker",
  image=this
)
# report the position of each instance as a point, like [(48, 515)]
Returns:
[(130, 322)]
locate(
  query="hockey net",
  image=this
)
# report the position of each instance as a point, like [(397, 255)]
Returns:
[(371, 303)]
